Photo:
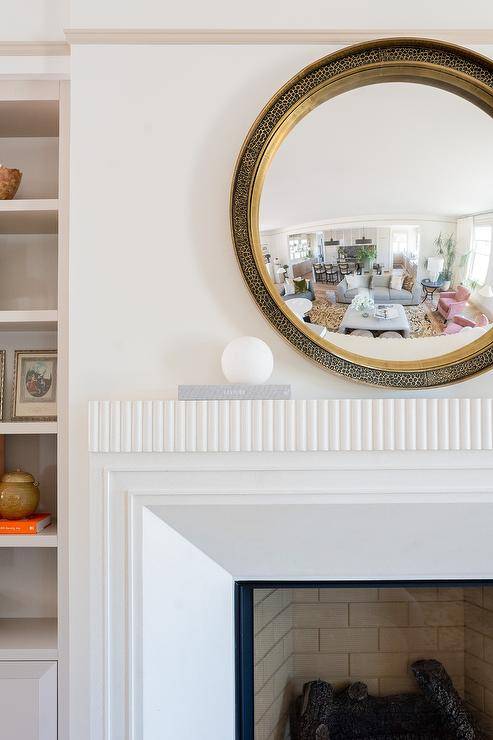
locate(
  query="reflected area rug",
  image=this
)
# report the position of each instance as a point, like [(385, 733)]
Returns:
[(423, 323)]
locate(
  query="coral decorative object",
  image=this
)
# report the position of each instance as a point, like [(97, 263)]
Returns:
[(19, 495), (10, 179)]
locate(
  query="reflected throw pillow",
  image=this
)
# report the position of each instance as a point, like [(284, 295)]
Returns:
[(396, 282), (357, 281), (380, 281), (408, 283), (300, 285)]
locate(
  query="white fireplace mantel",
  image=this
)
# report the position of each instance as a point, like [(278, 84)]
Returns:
[(403, 424), (163, 517)]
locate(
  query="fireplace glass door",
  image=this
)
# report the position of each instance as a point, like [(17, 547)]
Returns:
[(339, 661)]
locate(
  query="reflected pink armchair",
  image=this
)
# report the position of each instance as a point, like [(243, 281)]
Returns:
[(459, 322), (453, 302)]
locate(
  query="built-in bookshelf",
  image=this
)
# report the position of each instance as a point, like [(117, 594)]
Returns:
[(33, 310)]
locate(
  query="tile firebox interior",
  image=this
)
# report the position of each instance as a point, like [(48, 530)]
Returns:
[(373, 635)]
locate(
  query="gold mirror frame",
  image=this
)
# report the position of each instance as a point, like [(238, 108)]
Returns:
[(423, 61)]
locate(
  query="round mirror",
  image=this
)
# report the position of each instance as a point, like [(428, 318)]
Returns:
[(362, 213)]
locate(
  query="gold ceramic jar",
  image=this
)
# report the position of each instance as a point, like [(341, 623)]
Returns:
[(19, 495)]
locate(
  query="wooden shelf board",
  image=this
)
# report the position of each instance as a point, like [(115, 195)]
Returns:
[(28, 320), (39, 216), (46, 538), (28, 639), (28, 427)]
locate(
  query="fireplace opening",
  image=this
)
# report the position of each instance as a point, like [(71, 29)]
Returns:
[(408, 660)]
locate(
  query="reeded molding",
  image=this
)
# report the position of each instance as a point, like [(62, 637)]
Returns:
[(291, 426), (267, 36)]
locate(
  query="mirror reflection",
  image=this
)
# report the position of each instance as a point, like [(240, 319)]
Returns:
[(376, 221)]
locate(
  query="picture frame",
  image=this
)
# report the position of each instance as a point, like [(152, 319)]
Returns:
[(2, 380), (34, 392)]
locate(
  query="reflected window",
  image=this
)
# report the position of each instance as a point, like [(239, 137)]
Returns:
[(480, 255), (299, 247), (400, 242)]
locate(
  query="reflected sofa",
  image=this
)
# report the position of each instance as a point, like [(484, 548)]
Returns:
[(381, 290)]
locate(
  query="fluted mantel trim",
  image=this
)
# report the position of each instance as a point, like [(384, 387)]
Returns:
[(291, 426)]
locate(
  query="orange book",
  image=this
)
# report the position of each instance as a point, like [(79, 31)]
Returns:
[(31, 525)]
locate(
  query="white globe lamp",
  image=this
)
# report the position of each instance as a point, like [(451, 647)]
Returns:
[(247, 360)]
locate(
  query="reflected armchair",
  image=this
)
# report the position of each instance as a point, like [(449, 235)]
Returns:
[(460, 322), (452, 302)]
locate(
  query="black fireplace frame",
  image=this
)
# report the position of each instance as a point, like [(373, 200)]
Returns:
[(244, 631)]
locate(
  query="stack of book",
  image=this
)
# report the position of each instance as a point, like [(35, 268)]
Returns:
[(30, 525)]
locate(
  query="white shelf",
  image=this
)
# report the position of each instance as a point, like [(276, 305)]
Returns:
[(29, 216), (46, 538), (28, 427), (28, 639), (41, 320)]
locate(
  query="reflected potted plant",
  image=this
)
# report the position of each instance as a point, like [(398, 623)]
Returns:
[(446, 247), (367, 254)]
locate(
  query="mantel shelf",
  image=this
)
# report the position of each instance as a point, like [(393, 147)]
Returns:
[(336, 425), (42, 320)]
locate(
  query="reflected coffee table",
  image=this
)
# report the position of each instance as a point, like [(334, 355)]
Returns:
[(299, 306), (353, 319)]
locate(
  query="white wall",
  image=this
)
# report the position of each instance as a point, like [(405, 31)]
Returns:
[(315, 14), (34, 20), (152, 262), (155, 289)]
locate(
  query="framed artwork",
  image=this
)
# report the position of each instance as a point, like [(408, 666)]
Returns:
[(35, 385), (2, 380)]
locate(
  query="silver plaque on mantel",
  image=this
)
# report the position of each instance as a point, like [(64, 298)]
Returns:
[(234, 392)]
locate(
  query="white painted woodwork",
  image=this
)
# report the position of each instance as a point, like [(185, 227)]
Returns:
[(24, 638), (159, 523), (287, 426), (263, 36), (38, 320), (28, 700), (28, 427), (26, 49), (46, 538), (28, 89), (33, 234), (28, 205)]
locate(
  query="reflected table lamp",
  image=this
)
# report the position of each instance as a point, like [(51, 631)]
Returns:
[(434, 267)]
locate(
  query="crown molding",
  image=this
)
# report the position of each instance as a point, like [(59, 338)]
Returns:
[(39, 49), (267, 36)]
